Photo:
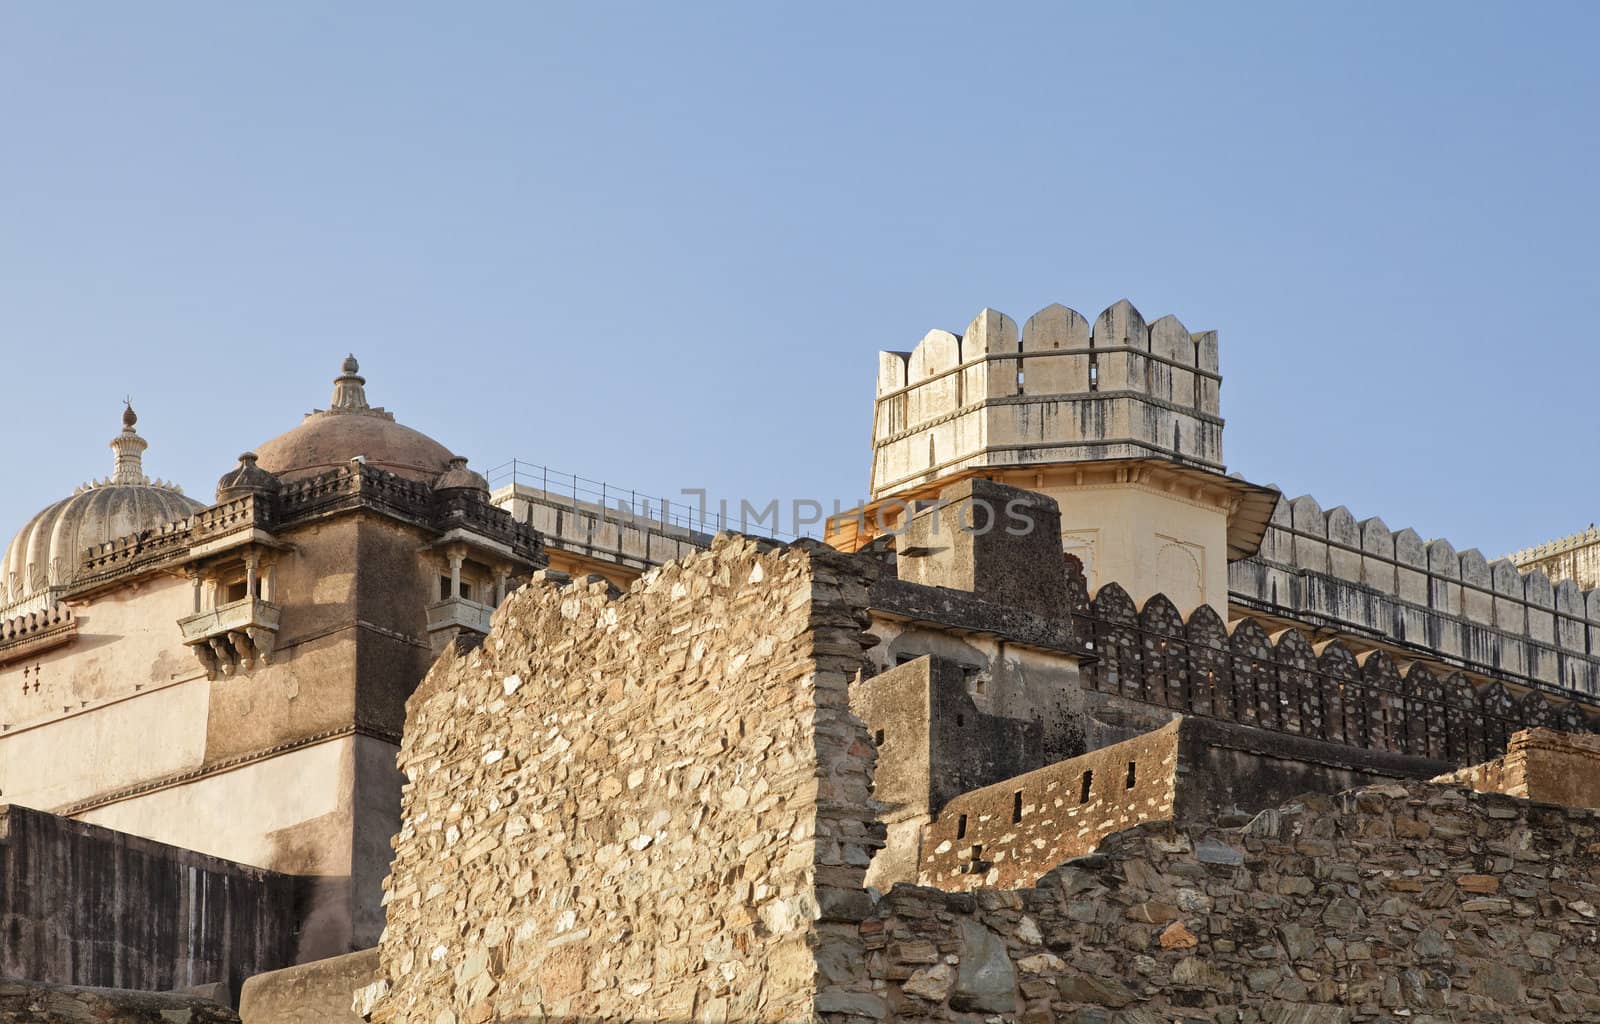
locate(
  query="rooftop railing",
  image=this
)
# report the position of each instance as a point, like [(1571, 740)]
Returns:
[(681, 513)]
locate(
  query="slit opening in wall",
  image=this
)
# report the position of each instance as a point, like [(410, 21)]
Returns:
[(1197, 386), (1085, 785), (961, 827), (877, 738), (1133, 773), (1016, 807)]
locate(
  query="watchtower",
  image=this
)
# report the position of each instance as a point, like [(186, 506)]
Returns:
[(1118, 420)]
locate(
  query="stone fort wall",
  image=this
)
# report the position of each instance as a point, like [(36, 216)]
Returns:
[(1541, 764), (1392, 902), (1325, 568), (655, 806), (1012, 833), (642, 806), (1261, 674), (1008, 834)]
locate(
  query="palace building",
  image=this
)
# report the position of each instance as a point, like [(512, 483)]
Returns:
[(239, 710)]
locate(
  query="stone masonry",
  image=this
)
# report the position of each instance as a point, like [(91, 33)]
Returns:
[(1192, 770), (35, 1002), (639, 806), (1012, 832), (1418, 902), (654, 806), (1541, 764)]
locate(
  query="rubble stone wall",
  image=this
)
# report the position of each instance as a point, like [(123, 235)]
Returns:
[(1418, 902), (35, 1002), (642, 806), (1541, 764), (1012, 833)]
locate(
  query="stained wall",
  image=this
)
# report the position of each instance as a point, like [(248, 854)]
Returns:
[(86, 905)]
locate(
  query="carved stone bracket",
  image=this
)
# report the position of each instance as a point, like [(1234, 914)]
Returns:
[(232, 638)]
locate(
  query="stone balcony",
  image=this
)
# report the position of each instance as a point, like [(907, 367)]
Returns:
[(232, 637), (454, 616)]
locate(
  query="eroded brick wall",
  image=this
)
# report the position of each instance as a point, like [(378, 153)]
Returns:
[(644, 807), (1417, 902)]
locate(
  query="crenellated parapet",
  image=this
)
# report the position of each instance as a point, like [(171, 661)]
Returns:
[(1061, 389), (1264, 674), (350, 488), (1575, 557), (1571, 542), (26, 635), (1326, 568)]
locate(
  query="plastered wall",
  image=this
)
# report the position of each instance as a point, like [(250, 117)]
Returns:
[(1575, 557), (88, 906), (1326, 567)]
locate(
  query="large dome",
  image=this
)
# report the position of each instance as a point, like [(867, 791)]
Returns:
[(348, 429), (43, 557)]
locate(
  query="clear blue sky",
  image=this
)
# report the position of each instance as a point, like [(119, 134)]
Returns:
[(661, 244)]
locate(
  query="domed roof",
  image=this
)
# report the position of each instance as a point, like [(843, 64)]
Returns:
[(459, 478), (246, 478), (44, 555), (350, 428)]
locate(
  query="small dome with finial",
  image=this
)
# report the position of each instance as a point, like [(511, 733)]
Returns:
[(44, 557), (329, 438), (246, 478), (459, 478)]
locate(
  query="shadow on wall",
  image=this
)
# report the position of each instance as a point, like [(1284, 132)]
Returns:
[(323, 917)]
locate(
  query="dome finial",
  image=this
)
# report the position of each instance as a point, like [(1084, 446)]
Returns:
[(129, 446), (349, 393)]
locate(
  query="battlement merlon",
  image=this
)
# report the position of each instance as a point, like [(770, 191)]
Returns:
[(1057, 391), (1064, 405)]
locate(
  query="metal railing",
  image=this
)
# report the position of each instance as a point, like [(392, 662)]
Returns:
[(626, 501)]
